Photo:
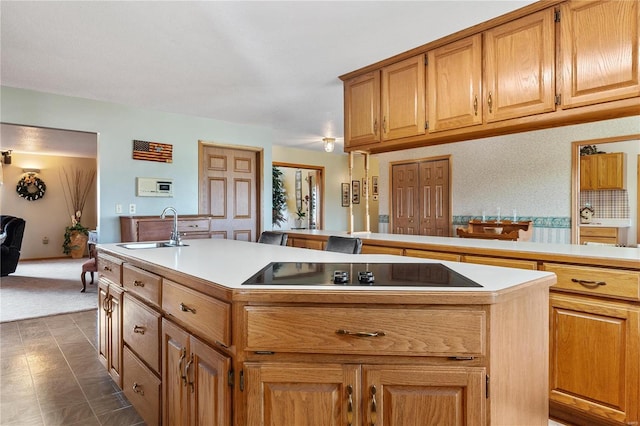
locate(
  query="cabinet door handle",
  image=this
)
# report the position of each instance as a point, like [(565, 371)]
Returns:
[(475, 105), (138, 283), (588, 283), (375, 126), (349, 405), (185, 308), (187, 373), (139, 329), (490, 103), (183, 354), (361, 333), (138, 389), (105, 308), (374, 406), (384, 124)]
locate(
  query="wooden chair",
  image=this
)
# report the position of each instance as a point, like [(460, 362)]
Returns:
[(90, 266)]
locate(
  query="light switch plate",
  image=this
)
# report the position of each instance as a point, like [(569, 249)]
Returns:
[(118, 208)]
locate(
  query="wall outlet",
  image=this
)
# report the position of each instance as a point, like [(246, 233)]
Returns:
[(132, 209), (118, 208), (45, 240)]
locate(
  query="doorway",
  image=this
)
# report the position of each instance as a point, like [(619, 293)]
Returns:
[(304, 185), (229, 190), (421, 197), (613, 203)]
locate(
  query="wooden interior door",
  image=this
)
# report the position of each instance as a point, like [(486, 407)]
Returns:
[(434, 198), (229, 186), (405, 198)]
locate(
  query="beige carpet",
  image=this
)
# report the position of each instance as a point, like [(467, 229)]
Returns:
[(41, 288)]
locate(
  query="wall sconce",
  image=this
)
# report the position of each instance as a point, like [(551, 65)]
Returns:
[(6, 156), (329, 144)]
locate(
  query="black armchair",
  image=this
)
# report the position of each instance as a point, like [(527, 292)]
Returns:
[(12, 232)]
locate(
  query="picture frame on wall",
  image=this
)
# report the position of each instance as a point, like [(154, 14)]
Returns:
[(365, 187), (355, 194), (346, 195), (374, 185)]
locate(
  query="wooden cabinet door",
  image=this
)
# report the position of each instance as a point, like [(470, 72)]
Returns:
[(588, 172), (611, 170), (599, 51), (175, 403), (520, 67), (209, 392), (403, 99), (103, 323), (305, 394), (115, 333), (594, 357), (406, 199), (404, 395), (434, 198), (454, 84), (362, 110)]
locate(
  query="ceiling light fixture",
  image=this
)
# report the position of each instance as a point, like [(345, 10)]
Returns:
[(329, 144)]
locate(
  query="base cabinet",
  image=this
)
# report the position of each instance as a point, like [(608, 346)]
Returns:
[(195, 384), (308, 394), (593, 365), (110, 328)]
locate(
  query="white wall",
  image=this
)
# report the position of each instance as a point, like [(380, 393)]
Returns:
[(530, 171), (117, 126)]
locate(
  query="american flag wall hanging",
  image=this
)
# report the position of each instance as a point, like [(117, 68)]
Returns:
[(153, 151)]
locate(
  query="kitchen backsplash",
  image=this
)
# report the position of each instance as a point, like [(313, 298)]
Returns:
[(607, 204)]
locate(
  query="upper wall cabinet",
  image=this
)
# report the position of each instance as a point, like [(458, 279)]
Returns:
[(599, 52), (519, 67), (527, 70), (385, 104), (603, 171), (455, 84), (362, 109)]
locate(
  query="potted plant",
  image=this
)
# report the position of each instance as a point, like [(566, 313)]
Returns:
[(300, 215), (279, 198), (76, 186)]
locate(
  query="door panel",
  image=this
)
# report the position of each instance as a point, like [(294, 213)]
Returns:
[(434, 187), (211, 397), (175, 342), (229, 191), (405, 199)]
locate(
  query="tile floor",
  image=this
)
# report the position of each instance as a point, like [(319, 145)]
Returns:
[(50, 375)]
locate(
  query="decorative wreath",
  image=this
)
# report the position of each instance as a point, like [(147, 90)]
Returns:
[(31, 188)]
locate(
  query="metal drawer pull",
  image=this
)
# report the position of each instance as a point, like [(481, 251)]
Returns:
[(374, 406), (349, 404), (185, 308), (361, 333), (139, 329), (138, 283), (138, 389), (587, 283), (106, 268)]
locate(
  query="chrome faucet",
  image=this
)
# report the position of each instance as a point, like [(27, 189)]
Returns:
[(175, 235)]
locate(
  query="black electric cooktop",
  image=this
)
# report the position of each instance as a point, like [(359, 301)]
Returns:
[(360, 274)]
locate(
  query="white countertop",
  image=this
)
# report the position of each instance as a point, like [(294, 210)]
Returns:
[(608, 223), (229, 263), (576, 250)]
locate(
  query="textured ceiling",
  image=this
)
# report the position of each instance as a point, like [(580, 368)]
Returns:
[(266, 63)]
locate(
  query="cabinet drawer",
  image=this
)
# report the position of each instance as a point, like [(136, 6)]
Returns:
[(193, 225), (110, 268), (142, 283), (142, 388), (507, 263), (382, 250), (413, 332), (141, 331), (452, 257), (590, 280), (310, 244), (598, 232), (206, 316)]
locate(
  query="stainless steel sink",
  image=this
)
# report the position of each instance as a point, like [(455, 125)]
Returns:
[(148, 245)]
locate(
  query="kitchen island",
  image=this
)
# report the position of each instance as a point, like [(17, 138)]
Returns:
[(187, 340), (594, 314)]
